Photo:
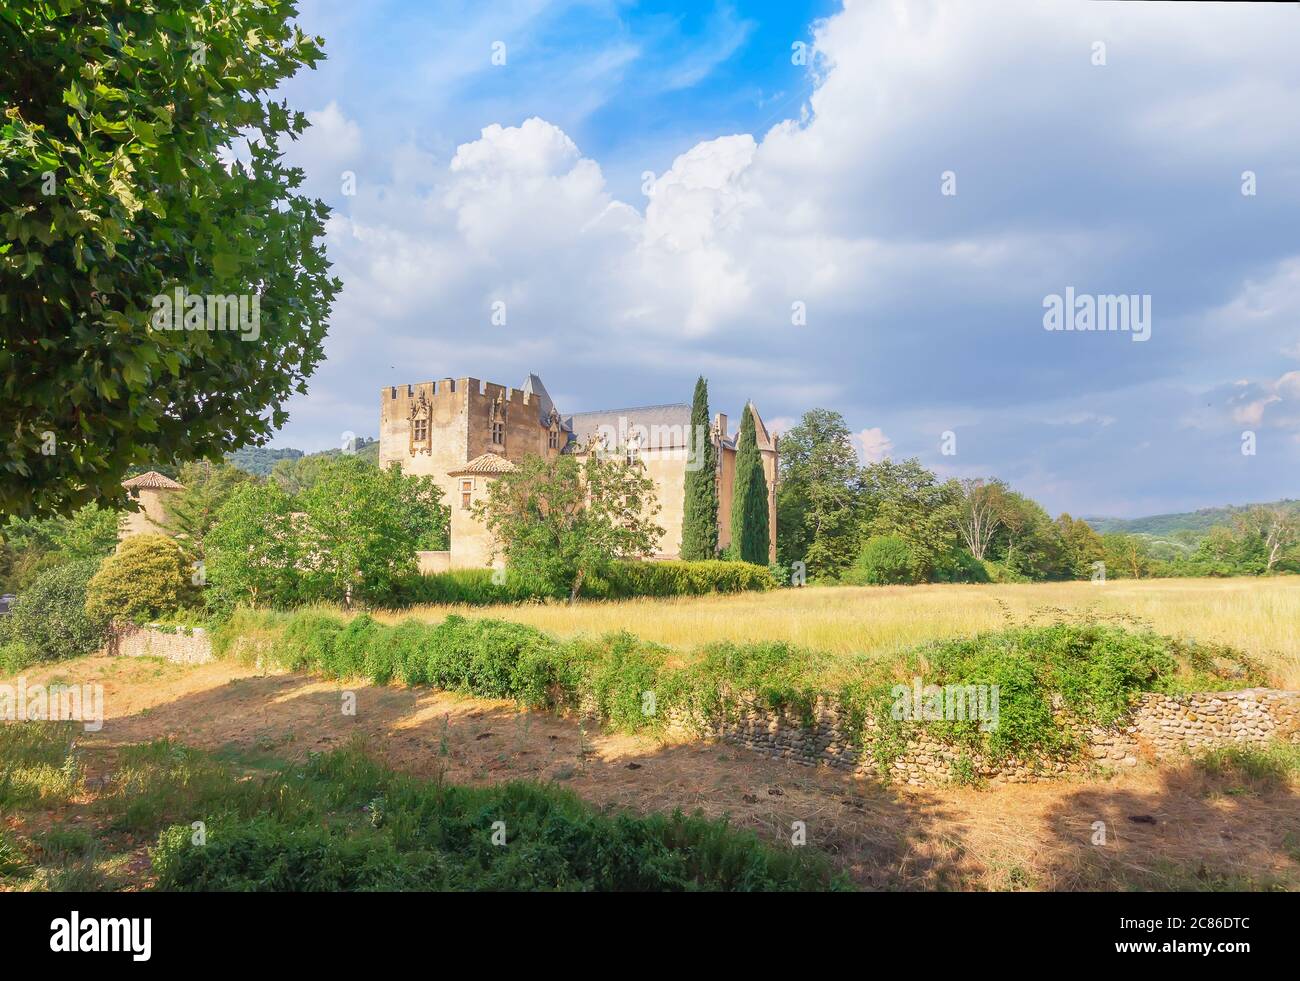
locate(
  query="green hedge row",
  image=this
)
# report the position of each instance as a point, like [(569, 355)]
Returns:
[(622, 580), (634, 684)]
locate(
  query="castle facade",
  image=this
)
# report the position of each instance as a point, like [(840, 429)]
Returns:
[(464, 433)]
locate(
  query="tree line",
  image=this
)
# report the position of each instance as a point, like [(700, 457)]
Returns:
[(898, 522)]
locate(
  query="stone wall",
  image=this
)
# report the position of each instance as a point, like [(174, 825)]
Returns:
[(177, 647), (1157, 727)]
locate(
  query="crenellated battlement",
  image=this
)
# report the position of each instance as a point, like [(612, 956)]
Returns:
[(395, 400)]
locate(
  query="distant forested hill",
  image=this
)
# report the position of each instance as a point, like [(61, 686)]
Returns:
[(260, 459), (1198, 522)]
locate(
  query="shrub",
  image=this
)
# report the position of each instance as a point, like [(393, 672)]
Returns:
[(51, 620), (147, 577), (675, 578), (425, 835), (884, 560)]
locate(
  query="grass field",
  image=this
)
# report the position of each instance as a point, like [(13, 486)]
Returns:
[(1259, 616)]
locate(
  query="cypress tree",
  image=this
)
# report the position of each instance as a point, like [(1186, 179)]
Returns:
[(749, 520), (700, 512)]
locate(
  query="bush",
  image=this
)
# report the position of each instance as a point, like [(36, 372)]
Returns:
[(147, 577), (426, 835), (621, 580), (884, 560), (51, 620)]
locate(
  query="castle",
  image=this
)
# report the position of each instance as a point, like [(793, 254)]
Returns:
[(464, 432)]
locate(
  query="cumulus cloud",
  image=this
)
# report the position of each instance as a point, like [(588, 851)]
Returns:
[(915, 304)]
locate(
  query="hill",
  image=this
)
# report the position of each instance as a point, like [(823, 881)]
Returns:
[(261, 460), (1198, 522)]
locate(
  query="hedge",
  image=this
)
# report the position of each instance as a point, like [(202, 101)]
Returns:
[(621, 580), (632, 684)]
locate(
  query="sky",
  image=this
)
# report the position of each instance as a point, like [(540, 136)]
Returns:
[(862, 206)]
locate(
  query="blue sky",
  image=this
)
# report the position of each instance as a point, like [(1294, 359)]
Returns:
[(1095, 146)]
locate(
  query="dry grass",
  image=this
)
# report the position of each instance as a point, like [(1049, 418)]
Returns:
[(1260, 616)]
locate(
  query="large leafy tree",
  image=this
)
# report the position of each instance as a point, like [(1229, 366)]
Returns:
[(560, 522), (818, 500), (254, 553), (140, 154), (1081, 545), (750, 527), (907, 501), (362, 527), (700, 513)]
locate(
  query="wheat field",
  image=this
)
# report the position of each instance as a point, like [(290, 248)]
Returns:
[(1260, 616)]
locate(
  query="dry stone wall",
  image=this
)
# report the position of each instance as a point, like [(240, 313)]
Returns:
[(1157, 727), (176, 646)]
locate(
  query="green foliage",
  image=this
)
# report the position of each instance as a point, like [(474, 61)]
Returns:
[(147, 577), (750, 528), (118, 122), (354, 825), (30, 546), (192, 513), (700, 510), (884, 560), (905, 500), (563, 521), (50, 618), (355, 531), (260, 460), (37, 765), (619, 580), (253, 551), (1094, 670), (819, 496), (362, 528)]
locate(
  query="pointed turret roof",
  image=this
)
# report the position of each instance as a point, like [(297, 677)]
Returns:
[(152, 480)]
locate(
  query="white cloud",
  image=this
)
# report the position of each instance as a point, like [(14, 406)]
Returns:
[(872, 445)]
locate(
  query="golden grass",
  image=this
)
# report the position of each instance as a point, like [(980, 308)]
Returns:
[(1259, 616)]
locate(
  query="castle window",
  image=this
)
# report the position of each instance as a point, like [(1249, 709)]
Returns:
[(553, 439), (421, 433), (499, 434), (466, 492), (633, 454)]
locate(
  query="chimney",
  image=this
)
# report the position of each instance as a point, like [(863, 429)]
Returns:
[(720, 423)]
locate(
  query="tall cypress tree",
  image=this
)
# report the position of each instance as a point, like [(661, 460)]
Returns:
[(700, 512), (750, 536)]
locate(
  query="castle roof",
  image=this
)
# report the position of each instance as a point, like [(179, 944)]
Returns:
[(534, 389), (152, 480), (488, 463), (588, 424)]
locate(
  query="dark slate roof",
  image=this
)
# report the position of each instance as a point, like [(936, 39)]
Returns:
[(534, 388), (587, 424)]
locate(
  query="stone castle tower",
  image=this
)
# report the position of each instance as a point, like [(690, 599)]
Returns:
[(464, 432)]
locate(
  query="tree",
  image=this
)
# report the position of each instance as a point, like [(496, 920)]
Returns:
[(884, 560), (906, 500), (253, 551), (147, 577), (700, 510), (819, 497), (1028, 543), (50, 618), (750, 528), (1081, 545), (362, 527), (1126, 555), (192, 513), (562, 522), (140, 161), (1276, 529), (981, 506)]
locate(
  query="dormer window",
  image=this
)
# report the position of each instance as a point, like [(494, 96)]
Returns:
[(553, 439), (498, 434), (421, 430)]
